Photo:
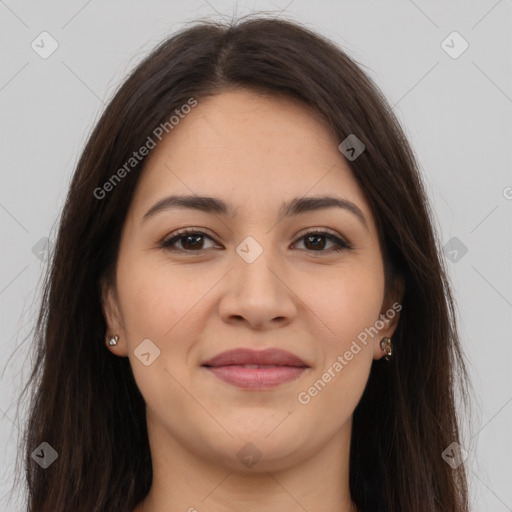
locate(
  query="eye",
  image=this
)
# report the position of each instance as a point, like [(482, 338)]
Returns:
[(192, 240), (313, 239)]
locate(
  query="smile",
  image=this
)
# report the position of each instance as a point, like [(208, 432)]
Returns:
[(253, 376)]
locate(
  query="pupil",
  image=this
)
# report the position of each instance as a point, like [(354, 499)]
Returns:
[(309, 240), (313, 237), (194, 244)]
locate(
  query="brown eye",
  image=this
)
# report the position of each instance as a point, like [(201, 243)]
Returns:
[(191, 241), (315, 241)]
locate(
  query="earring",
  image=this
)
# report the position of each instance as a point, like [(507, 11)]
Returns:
[(113, 341), (387, 346)]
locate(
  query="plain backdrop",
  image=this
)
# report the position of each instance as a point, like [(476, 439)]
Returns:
[(451, 92)]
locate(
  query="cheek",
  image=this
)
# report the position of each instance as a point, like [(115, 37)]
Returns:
[(349, 307), (163, 306), (347, 301), (157, 300)]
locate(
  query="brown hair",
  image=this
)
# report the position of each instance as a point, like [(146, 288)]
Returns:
[(85, 402)]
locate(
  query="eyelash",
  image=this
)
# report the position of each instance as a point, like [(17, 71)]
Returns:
[(340, 245)]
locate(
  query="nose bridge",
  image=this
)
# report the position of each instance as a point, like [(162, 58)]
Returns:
[(258, 265), (258, 291)]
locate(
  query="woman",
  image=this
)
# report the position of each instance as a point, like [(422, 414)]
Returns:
[(246, 307)]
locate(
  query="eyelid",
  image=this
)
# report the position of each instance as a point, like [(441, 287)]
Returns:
[(175, 235), (341, 243), (319, 230)]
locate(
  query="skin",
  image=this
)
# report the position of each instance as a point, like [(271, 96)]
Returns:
[(254, 152)]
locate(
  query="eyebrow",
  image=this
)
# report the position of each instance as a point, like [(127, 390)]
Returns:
[(214, 205)]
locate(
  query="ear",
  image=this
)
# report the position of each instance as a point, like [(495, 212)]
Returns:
[(113, 317), (389, 315)]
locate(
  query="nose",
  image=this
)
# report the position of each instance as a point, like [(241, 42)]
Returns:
[(258, 294)]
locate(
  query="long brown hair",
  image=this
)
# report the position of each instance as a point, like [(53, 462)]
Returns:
[(85, 402)]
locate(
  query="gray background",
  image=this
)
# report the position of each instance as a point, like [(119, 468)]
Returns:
[(455, 111)]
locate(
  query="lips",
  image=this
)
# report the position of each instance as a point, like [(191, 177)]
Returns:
[(268, 357), (256, 370)]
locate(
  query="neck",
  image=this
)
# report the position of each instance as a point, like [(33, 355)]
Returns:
[(188, 481)]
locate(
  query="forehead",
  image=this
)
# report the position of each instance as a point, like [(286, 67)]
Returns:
[(252, 150)]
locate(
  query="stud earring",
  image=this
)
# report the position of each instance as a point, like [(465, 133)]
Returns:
[(113, 341), (387, 346)]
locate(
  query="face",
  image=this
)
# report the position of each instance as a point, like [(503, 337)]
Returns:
[(309, 281)]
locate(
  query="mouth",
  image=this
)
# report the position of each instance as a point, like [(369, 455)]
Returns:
[(250, 369)]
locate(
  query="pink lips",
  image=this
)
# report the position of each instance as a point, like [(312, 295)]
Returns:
[(252, 369)]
